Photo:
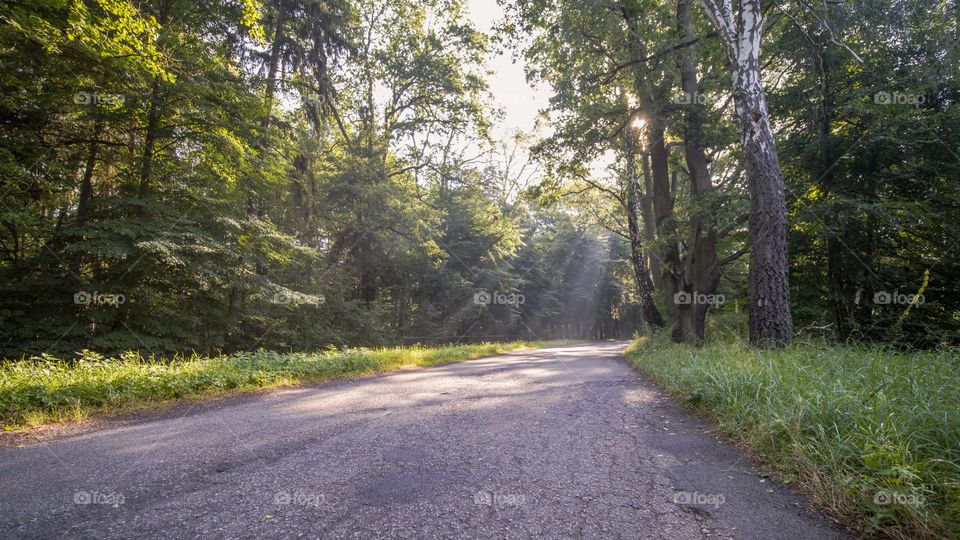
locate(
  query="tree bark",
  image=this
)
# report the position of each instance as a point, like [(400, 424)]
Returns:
[(770, 322), (842, 281), (150, 138), (154, 114), (651, 107), (651, 314), (86, 182), (254, 201), (275, 54), (702, 269), (840, 289), (85, 199), (670, 271), (649, 224)]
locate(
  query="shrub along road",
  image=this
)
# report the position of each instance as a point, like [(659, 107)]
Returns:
[(560, 442)]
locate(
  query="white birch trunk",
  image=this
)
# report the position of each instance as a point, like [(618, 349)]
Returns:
[(769, 284)]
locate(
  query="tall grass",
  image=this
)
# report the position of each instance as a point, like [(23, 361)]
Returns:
[(873, 435), (45, 389)]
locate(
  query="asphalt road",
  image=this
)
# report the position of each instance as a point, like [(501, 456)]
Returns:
[(565, 442)]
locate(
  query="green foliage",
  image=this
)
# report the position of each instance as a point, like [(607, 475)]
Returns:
[(237, 175), (870, 156), (863, 101)]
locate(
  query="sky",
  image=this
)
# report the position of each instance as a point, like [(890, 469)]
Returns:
[(508, 84)]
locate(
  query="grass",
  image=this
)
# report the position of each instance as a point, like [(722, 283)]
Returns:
[(45, 390), (872, 435)]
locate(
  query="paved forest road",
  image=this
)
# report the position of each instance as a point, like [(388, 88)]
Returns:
[(565, 442)]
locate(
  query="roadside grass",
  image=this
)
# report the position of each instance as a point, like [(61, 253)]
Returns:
[(872, 435), (44, 390)]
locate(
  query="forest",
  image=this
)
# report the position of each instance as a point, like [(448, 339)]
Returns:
[(301, 174)]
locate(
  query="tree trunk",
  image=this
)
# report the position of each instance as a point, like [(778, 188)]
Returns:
[(255, 203), (664, 218), (841, 291), (85, 199), (841, 284), (154, 113), (150, 138), (275, 54), (651, 314), (650, 224), (769, 285), (86, 183), (702, 269), (659, 172)]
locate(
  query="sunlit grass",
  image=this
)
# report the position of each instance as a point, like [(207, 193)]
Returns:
[(855, 426), (45, 390)]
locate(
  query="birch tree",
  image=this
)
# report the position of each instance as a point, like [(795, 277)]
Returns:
[(769, 286)]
